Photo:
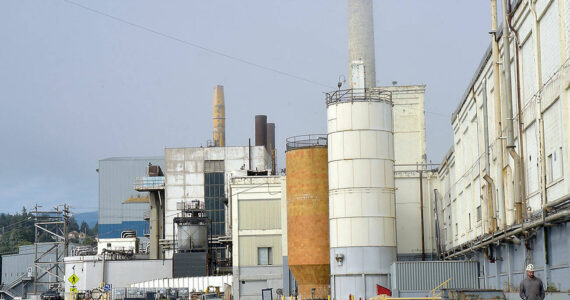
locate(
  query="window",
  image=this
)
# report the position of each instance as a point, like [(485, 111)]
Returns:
[(264, 256), (479, 213), (469, 221)]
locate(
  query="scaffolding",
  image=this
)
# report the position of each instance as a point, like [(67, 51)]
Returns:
[(51, 232)]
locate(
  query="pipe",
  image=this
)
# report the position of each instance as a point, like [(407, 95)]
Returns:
[(491, 221), (498, 116), (491, 207), (520, 123), (422, 215), (509, 111), (557, 201), (507, 71), (437, 226), (249, 153), (517, 185), (533, 224)]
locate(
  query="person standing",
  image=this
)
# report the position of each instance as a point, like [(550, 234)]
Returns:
[(531, 287)]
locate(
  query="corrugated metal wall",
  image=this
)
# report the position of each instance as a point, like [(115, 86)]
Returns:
[(116, 180), (424, 275), (259, 214), (249, 245)]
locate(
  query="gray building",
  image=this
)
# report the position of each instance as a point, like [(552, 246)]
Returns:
[(120, 206), (17, 271)]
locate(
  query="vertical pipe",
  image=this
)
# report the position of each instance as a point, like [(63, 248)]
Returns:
[(509, 113), (519, 112), (361, 39), (498, 115), (249, 153), (271, 145), (219, 117), (492, 226), (422, 215)]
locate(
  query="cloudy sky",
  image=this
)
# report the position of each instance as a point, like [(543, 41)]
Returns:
[(86, 80)]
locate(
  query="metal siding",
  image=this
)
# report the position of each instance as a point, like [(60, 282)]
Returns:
[(424, 276), (248, 249), (116, 179), (259, 214)]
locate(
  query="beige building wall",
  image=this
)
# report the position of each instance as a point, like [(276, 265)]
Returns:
[(256, 210), (543, 73), (410, 159)]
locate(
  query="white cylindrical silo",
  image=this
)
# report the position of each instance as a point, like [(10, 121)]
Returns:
[(361, 191)]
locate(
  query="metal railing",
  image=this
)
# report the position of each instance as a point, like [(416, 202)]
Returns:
[(306, 141), (149, 183), (359, 95)]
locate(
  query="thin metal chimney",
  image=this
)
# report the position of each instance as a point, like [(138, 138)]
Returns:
[(219, 117)]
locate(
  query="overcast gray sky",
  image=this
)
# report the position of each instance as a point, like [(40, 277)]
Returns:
[(77, 86)]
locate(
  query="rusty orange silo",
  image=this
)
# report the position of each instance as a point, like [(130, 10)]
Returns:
[(308, 214)]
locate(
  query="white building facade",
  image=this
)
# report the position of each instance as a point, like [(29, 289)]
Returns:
[(481, 192)]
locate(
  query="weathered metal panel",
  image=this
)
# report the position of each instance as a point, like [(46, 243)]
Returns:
[(259, 214), (426, 275)]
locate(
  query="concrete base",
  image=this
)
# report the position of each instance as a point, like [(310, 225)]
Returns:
[(360, 270)]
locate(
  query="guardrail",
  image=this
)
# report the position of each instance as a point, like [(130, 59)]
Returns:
[(359, 95)]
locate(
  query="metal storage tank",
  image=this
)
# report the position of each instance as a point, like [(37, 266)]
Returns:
[(361, 191), (192, 237), (307, 214)]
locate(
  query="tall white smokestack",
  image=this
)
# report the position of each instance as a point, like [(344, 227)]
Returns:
[(362, 215), (361, 40)]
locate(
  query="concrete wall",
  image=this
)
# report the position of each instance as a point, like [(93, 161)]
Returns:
[(120, 206), (260, 196), (184, 174), (410, 155)]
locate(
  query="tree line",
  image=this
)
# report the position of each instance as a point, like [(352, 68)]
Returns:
[(18, 229)]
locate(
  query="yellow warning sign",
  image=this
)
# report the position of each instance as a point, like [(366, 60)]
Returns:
[(73, 279), (73, 290)]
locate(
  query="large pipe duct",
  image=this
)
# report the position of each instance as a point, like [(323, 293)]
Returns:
[(271, 146), (362, 216), (361, 40), (270, 137), (219, 117), (261, 130)]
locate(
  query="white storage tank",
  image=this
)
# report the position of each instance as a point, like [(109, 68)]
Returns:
[(361, 191)]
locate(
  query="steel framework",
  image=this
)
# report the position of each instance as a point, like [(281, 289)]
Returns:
[(51, 230)]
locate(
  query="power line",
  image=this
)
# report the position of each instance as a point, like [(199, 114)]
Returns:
[(216, 52)]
